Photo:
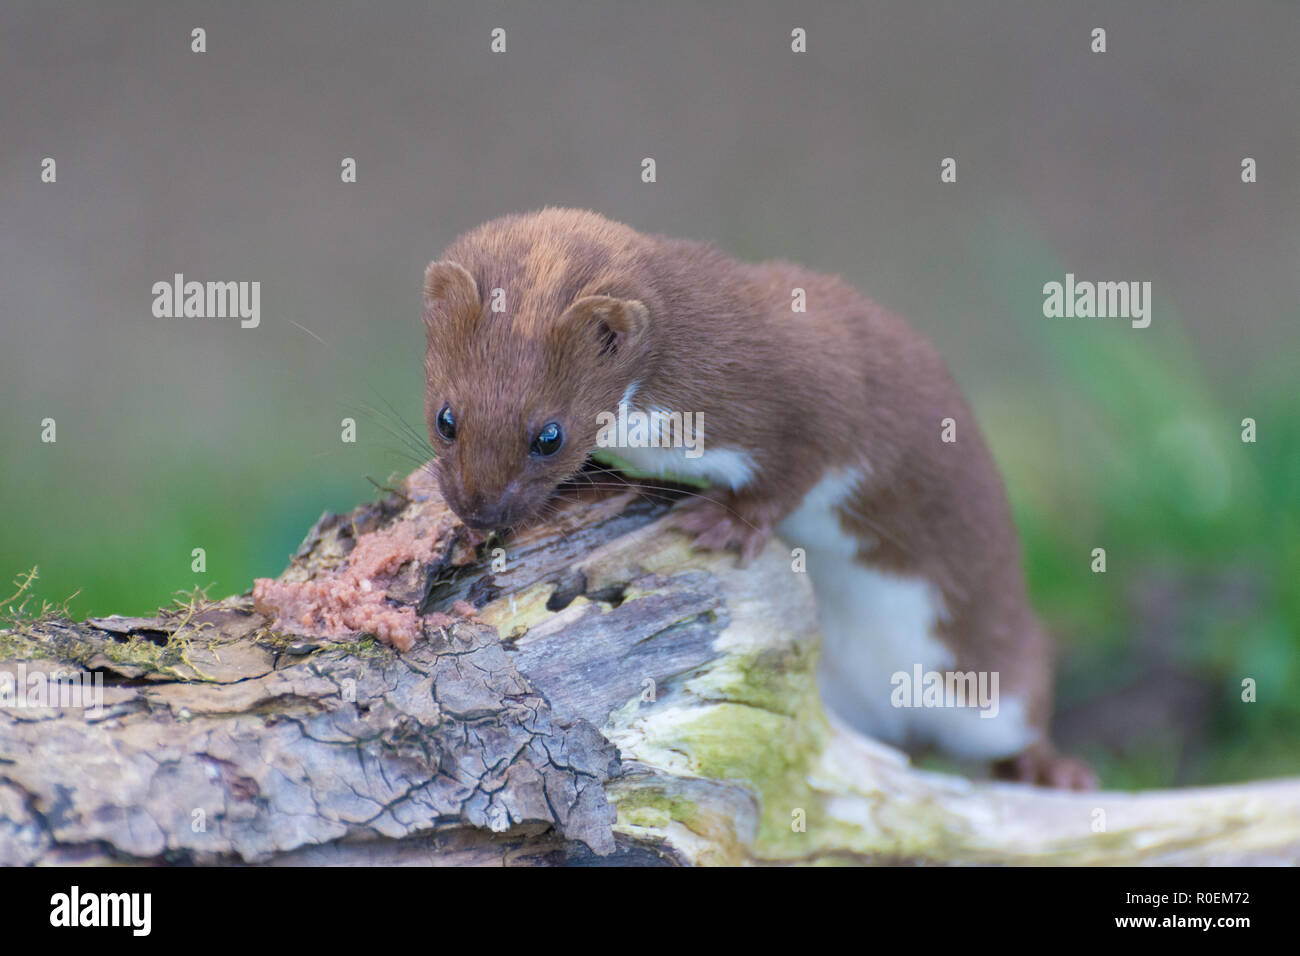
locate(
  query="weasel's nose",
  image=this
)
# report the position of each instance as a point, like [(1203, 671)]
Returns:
[(485, 515)]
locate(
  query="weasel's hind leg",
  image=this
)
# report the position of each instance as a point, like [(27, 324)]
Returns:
[(1044, 765)]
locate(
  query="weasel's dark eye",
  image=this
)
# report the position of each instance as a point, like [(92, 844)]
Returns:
[(548, 440), (446, 424)]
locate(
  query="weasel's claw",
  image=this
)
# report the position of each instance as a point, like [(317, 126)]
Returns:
[(717, 528), (1047, 767)]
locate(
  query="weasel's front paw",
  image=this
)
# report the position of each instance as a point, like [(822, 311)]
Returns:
[(718, 525), (1045, 766)]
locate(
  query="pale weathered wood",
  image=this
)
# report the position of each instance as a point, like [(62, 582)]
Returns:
[(619, 699)]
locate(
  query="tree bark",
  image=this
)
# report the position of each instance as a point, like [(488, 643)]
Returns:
[(617, 698)]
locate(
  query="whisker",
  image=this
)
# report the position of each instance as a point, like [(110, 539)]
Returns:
[(662, 494), (416, 435), (400, 431)]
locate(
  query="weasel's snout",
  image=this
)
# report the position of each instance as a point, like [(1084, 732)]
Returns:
[(486, 513), (480, 510), (485, 518)]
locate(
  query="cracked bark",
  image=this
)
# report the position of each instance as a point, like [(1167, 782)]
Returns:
[(618, 699)]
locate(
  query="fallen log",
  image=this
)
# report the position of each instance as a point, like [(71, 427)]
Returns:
[(589, 690)]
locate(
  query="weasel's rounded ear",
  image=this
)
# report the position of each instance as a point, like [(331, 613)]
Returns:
[(448, 288), (618, 325)]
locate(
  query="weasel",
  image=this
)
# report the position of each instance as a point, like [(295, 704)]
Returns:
[(824, 427)]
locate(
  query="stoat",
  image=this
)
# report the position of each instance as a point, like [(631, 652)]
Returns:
[(825, 426)]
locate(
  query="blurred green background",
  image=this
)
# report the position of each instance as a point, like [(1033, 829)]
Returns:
[(182, 433)]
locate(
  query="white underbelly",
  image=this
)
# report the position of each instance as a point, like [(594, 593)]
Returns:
[(878, 633), (724, 467)]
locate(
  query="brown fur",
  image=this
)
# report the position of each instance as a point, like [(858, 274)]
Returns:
[(802, 392)]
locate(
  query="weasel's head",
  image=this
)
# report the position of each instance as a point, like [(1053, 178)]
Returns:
[(513, 394)]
